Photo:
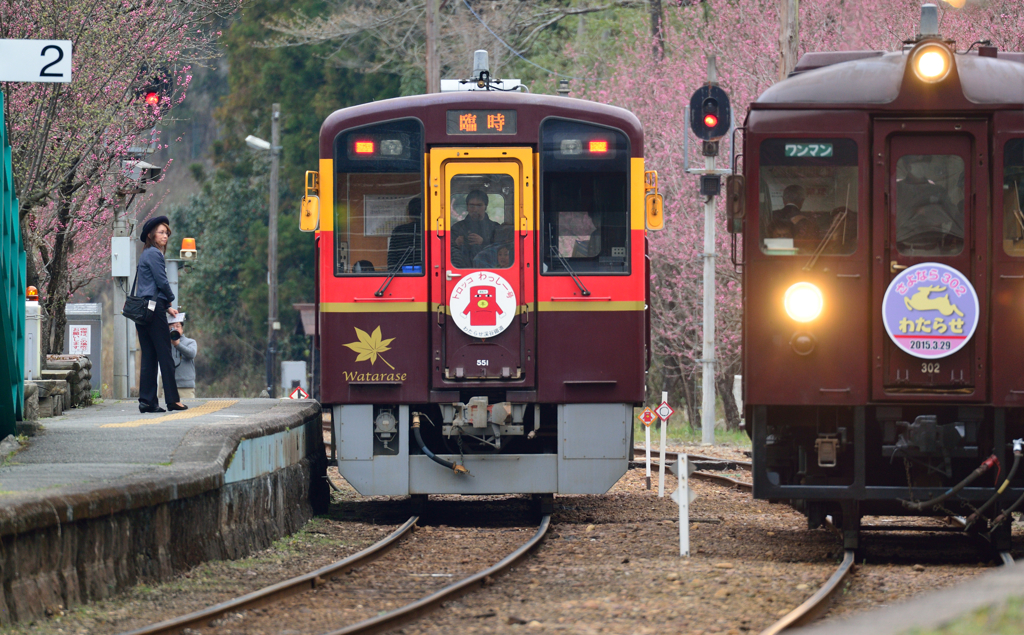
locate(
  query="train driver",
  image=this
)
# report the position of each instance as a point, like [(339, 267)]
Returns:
[(926, 218), (474, 233)]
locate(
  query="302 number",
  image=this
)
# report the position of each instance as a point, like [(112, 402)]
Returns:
[(929, 368)]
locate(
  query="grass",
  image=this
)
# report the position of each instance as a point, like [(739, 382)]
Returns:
[(1000, 619)]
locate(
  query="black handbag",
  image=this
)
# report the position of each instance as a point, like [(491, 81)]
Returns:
[(136, 309)]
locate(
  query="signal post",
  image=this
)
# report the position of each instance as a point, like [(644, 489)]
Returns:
[(710, 120)]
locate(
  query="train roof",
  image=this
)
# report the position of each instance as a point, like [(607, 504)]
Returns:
[(432, 111), (883, 81)]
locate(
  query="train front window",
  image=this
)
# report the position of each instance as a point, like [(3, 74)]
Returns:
[(482, 221), (584, 199), (1013, 197), (378, 200), (930, 205), (808, 197)]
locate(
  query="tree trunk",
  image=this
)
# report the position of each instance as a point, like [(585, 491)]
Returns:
[(54, 320), (724, 385), (657, 32), (692, 399), (789, 36)]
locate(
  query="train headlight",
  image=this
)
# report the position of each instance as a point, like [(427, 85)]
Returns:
[(932, 63), (803, 301)]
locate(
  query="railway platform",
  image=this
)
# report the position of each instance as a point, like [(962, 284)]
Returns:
[(104, 497)]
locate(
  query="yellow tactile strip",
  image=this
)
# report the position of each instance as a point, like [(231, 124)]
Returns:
[(193, 411)]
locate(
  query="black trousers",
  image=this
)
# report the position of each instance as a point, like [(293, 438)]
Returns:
[(155, 345)]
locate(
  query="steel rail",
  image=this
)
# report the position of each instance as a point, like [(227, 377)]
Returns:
[(814, 605), (1006, 557), (411, 611), (723, 480), (281, 590), (674, 456)]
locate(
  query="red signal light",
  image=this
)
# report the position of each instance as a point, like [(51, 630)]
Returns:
[(364, 147), (153, 98), (710, 121), (598, 146)]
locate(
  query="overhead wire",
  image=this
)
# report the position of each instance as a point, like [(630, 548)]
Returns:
[(515, 52)]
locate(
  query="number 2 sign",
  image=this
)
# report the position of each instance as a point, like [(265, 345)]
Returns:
[(35, 61)]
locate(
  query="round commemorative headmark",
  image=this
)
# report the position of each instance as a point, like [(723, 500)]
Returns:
[(483, 304), (930, 310)]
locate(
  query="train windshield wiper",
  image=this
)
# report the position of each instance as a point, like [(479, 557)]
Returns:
[(565, 263), (837, 222), (398, 267)]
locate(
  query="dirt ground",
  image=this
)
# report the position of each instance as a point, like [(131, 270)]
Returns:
[(610, 564)]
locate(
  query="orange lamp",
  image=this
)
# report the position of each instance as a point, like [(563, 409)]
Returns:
[(32, 294)]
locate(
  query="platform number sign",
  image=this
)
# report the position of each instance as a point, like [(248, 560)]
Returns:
[(647, 417), (35, 61)]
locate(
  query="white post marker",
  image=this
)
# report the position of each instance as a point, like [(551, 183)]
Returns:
[(664, 412), (35, 61), (683, 496), (647, 418)]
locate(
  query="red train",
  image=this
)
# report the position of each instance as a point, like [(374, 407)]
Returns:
[(481, 294), (883, 277)]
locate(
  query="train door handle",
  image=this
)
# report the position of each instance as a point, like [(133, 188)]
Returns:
[(895, 266), (448, 275)]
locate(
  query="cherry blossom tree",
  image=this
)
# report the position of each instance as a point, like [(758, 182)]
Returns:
[(72, 143), (744, 36)]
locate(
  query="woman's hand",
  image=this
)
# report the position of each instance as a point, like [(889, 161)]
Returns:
[(172, 311)]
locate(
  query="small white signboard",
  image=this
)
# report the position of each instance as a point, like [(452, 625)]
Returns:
[(81, 334), (35, 61)]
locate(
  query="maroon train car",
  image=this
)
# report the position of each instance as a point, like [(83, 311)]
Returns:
[(481, 293), (883, 277)]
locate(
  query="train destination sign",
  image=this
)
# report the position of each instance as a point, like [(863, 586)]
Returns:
[(930, 310), (463, 122)]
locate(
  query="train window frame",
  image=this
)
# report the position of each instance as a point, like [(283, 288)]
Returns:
[(1016, 211), (619, 152), (411, 163), (925, 192), (818, 223)]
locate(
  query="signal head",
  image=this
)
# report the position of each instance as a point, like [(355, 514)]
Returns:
[(710, 113)]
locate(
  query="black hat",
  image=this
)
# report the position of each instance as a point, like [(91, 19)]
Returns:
[(152, 224)]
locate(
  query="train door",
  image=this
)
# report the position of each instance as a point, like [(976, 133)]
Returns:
[(930, 215), (482, 263)]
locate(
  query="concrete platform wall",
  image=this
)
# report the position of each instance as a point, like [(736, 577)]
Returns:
[(88, 543)]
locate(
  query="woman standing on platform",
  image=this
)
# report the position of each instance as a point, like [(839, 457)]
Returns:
[(154, 338)]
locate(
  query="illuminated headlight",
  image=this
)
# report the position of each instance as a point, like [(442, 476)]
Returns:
[(391, 147), (803, 301), (932, 63), (572, 146)]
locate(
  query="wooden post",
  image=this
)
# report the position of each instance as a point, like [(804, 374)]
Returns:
[(433, 63), (789, 36)]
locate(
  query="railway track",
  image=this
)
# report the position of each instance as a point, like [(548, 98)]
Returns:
[(282, 590), (817, 603), (706, 468)]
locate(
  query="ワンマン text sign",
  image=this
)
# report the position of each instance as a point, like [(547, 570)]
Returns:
[(35, 61)]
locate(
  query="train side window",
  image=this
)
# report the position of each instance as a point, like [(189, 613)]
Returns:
[(930, 205), (808, 196), (585, 221), (1013, 197), (378, 200)]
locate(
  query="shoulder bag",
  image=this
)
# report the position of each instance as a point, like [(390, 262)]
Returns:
[(136, 309)]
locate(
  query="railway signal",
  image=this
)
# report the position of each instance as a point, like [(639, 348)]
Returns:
[(647, 417), (683, 496), (710, 112), (664, 412)]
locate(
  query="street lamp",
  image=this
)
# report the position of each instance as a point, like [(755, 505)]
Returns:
[(273, 325)]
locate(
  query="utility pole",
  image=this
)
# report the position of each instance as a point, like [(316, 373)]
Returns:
[(122, 262), (272, 323), (789, 36), (433, 63)]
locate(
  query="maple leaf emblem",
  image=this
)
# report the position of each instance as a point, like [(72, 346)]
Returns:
[(370, 347)]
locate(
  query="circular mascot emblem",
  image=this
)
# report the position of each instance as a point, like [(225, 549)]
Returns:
[(930, 310), (483, 304)]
